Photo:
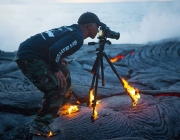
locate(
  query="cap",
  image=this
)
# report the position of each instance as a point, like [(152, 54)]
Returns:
[(90, 17)]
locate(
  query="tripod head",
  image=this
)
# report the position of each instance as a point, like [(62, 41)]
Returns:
[(102, 42), (105, 33)]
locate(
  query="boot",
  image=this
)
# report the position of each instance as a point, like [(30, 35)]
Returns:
[(39, 128)]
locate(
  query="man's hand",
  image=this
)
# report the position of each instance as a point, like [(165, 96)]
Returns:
[(61, 79), (63, 61)]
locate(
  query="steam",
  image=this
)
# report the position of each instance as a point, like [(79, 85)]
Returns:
[(22, 19), (19, 21), (160, 23)]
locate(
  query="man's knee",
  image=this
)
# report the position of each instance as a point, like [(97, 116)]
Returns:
[(47, 82)]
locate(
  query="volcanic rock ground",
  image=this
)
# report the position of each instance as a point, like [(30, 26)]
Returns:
[(153, 68)]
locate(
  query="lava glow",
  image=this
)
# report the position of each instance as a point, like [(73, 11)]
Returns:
[(116, 58), (133, 93), (119, 56)]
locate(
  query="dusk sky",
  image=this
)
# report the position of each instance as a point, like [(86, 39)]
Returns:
[(138, 22), (89, 1), (79, 1)]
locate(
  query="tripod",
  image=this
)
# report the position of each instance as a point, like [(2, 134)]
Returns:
[(98, 64)]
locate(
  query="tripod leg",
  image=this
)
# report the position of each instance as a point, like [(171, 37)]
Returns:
[(95, 115), (89, 101), (113, 68), (102, 72), (95, 70)]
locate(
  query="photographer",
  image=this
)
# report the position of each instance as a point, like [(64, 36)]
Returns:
[(41, 59)]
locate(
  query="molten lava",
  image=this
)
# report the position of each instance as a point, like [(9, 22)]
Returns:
[(116, 58), (119, 56), (133, 93)]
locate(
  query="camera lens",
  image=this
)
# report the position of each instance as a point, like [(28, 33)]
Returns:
[(113, 35)]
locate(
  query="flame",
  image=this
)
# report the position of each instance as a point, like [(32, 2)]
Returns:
[(73, 108), (95, 114), (91, 98), (116, 58), (78, 102), (68, 109), (50, 134), (39, 134), (133, 93)]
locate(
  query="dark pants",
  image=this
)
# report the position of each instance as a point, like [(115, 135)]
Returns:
[(38, 73)]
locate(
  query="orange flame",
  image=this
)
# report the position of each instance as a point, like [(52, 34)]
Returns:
[(116, 58), (39, 134), (91, 98), (50, 134), (73, 108), (78, 102), (133, 93), (95, 114), (68, 109)]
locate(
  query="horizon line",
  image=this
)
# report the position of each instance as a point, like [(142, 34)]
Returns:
[(113, 1)]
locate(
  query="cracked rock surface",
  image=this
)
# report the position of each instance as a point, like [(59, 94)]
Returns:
[(152, 68)]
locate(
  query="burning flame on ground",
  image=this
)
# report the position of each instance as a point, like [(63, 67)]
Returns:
[(133, 93), (68, 109), (73, 108), (39, 134), (78, 102), (95, 114), (49, 135), (91, 98)]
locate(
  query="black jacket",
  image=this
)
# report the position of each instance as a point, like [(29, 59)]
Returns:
[(52, 46)]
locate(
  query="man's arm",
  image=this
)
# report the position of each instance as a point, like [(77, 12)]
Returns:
[(62, 48)]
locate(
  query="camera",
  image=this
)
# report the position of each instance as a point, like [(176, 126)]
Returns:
[(106, 32)]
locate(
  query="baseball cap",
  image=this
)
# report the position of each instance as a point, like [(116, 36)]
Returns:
[(90, 17)]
